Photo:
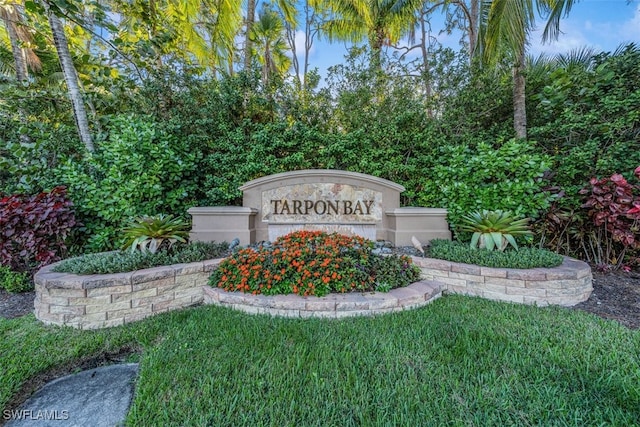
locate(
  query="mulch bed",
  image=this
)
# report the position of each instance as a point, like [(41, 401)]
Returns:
[(15, 305), (615, 296)]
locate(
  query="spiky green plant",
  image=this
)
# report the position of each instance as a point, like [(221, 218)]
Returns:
[(150, 233), (494, 230)]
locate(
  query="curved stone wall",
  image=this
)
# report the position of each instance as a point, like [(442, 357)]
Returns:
[(350, 304), (103, 300), (99, 301), (566, 285)]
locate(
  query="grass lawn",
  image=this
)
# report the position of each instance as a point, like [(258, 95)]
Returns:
[(458, 361)]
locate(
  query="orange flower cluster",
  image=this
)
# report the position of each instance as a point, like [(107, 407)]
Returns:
[(303, 263)]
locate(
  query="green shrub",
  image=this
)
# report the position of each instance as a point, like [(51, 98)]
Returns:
[(588, 119), (13, 281), (136, 171), (503, 176), (253, 150), (313, 263), (522, 258), (35, 136), (123, 261), (199, 251)]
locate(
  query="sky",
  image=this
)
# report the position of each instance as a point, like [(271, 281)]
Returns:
[(601, 24)]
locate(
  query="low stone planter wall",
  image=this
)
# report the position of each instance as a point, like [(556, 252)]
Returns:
[(103, 300), (99, 301), (350, 304), (566, 285)]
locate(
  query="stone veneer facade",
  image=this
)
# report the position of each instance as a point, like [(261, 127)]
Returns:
[(99, 301), (331, 306), (565, 285), (103, 300), (328, 200)]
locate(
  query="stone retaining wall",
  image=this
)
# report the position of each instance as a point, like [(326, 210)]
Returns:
[(566, 285), (350, 304), (99, 301)]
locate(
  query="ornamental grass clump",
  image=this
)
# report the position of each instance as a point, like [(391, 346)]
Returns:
[(313, 263)]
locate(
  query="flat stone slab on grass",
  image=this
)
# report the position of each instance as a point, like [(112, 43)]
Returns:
[(96, 397)]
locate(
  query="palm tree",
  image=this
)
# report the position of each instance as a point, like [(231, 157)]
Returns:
[(288, 8), (205, 29), (380, 21), (70, 76), (12, 17), (268, 39), (223, 19), (200, 30), (248, 49), (504, 29)]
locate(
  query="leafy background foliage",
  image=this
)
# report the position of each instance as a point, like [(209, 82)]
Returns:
[(501, 176), (588, 119), (137, 171), (201, 138)]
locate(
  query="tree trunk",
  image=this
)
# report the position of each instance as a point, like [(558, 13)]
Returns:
[(310, 33), (426, 75), (266, 67), (377, 41), (291, 38), (70, 78), (251, 16), (473, 26), (19, 56), (519, 104)]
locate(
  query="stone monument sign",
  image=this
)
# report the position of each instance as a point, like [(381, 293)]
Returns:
[(328, 200)]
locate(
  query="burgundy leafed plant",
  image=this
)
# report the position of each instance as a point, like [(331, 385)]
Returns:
[(634, 212), (33, 229), (614, 208)]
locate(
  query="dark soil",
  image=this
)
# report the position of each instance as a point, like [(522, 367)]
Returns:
[(16, 305), (615, 296)]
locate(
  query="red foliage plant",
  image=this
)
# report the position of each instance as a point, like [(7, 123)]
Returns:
[(634, 212), (614, 207), (33, 229)]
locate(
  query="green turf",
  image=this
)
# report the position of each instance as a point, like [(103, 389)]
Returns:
[(458, 361)]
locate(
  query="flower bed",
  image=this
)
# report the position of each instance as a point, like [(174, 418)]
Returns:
[(314, 263), (98, 301)]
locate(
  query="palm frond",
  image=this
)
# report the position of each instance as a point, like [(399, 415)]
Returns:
[(556, 10), (581, 57)]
